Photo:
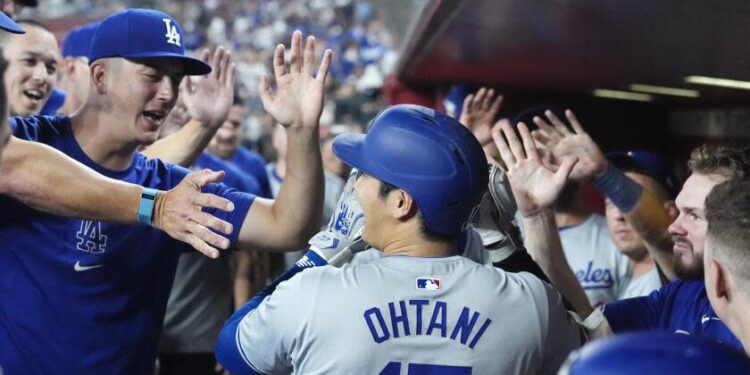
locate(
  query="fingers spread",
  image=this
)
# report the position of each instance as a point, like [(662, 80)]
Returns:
[(528, 142), (559, 125), (308, 59), (324, 65), (212, 222), (513, 142), (295, 61), (502, 145), (574, 122), (279, 67)]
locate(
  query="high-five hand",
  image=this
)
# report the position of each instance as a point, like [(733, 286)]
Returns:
[(534, 186), (297, 101)]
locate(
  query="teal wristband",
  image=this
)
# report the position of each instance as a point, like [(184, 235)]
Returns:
[(146, 206)]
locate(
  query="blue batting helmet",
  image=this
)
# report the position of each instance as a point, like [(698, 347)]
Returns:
[(651, 353), (427, 154)]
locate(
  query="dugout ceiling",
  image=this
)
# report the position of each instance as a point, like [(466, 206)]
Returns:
[(576, 46)]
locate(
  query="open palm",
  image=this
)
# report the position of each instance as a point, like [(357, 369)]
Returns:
[(534, 185), (297, 101), (566, 144)]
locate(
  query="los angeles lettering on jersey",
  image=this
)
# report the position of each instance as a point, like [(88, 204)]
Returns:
[(595, 278), (419, 317)]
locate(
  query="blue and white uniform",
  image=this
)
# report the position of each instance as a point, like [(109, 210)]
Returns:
[(680, 307), (428, 315), (87, 297)]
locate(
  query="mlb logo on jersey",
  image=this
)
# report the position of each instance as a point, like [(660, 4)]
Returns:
[(428, 283)]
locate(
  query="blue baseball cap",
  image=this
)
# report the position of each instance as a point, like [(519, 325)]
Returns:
[(647, 163), (78, 41), (143, 34), (7, 24)]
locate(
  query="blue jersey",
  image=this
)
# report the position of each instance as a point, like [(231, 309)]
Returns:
[(254, 164), (87, 297), (679, 307), (233, 175)]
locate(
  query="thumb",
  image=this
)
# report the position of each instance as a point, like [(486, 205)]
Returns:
[(206, 176), (561, 176)]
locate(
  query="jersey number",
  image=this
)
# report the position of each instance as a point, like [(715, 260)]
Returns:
[(394, 368)]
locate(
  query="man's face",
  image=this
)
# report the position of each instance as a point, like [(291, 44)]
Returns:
[(143, 92), (689, 229), (627, 240), (32, 68), (11, 8), (75, 80), (229, 136)]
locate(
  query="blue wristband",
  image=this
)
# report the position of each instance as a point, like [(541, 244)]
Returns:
[(619, 188), (146, 206)]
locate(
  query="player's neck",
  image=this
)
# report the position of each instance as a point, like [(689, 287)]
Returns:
[(641, 266), (90, 129), (415, 245), (738, 320)]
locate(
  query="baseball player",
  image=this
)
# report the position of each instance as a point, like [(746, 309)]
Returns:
[(417, 309), (725, 258), (655, 353), (108, 284), (681, 306)]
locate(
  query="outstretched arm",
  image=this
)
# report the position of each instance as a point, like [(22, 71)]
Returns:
[(642, 209), (48, 180), (535, 188), (289, 221), (207, 99)]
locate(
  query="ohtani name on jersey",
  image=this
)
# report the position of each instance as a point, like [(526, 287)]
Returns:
[(419, 317)]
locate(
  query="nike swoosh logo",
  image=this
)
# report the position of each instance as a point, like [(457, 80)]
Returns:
[(706, 318), (79, 268)]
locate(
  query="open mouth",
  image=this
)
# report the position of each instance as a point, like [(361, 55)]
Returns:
[(155, 116), (34, 94)]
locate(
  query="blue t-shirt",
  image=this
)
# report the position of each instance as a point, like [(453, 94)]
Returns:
[(251, 162), (87, 297), (233, 176), (679, 307)]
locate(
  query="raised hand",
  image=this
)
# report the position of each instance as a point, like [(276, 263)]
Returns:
[(297, 101), (535, 186), (564, 144), (178, 212), (208, 98), (479, 112)]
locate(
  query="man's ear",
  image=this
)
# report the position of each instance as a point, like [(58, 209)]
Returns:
[(718, 280), (402, 205), (99, 74)]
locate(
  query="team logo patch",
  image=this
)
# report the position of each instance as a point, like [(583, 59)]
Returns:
[(429, 283), (173, 36)]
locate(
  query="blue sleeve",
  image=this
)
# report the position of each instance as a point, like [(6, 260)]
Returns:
[(242, 201), (228, 351), (641, 313), (257, 167)]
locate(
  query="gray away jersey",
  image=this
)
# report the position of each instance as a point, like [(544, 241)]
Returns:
[(400, 314)]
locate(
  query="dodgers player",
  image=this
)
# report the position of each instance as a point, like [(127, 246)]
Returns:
[(108, 284), (416, 309), (681, 306)]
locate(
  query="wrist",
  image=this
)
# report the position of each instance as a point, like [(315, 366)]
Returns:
[(156, 217)]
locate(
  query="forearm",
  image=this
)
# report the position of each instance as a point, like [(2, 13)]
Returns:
[(643, 211), (48, 180), (243, 284), (299, 205), (183, 147), (543, 243)]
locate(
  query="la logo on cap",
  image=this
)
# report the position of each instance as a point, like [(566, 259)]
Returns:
[(173, 36)]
